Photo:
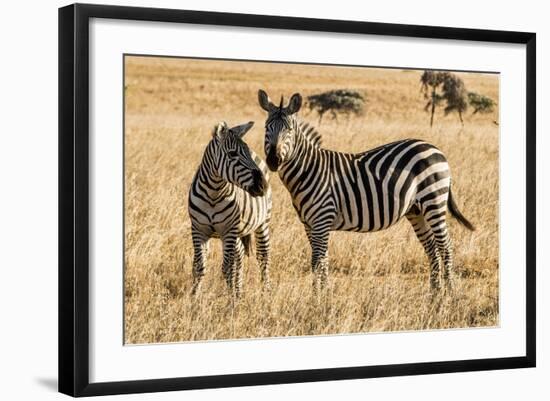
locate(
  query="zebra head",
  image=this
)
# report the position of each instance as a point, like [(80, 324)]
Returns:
[(235, 161), (280, 127)]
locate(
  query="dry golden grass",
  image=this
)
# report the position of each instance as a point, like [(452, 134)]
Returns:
[(379, 281)]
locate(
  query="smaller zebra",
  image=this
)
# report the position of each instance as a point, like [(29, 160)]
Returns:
[(230, 199)]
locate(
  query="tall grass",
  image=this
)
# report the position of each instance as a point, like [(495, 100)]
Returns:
[(378, 281)]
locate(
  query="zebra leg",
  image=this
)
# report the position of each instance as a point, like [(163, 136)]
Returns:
[(308, 233), (262, 252), (238, 267), (445, 247), (229, 245), (200, 247), (426, 237), (318, 239)]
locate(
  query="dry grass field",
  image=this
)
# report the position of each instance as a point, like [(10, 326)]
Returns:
[(378, 281)]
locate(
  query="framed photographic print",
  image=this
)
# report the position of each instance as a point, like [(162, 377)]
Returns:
[(250, 199)]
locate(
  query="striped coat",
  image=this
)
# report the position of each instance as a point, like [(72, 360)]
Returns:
[(363, 192), (230, 199)]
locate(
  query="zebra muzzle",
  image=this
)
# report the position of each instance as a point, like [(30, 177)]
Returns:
[(272, 160)]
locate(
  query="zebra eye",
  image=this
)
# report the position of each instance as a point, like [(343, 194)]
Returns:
[(232, 154)]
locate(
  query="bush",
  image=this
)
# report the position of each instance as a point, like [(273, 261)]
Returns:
[(480, 103)]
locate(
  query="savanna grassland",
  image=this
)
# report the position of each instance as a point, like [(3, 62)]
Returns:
[(378, 281)]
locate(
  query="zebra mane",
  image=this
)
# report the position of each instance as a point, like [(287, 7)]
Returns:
[(260, 163), (310, 133)]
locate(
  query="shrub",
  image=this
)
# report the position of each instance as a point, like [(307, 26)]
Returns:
[(480, 103)]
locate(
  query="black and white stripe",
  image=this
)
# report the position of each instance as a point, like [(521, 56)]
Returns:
[(368, 191), (230, 199)]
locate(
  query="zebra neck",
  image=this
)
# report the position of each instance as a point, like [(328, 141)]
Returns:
[(214, 186), (304, 158)]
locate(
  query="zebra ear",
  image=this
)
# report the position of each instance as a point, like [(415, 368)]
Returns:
[(242, 129), (219, 130), (294, 104), (265, 101)]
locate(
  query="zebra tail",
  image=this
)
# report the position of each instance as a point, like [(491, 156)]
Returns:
[(453, 208), (247, 242)]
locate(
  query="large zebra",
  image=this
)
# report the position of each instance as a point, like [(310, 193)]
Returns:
[(362, 192), (230, 198)]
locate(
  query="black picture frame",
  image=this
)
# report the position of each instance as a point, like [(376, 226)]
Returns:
[(74, 194)]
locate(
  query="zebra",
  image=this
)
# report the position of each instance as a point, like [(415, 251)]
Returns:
[(230, 199), (362, 192)]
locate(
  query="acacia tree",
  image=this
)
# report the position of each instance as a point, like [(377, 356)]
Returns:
[(337, 101), (444, 88)]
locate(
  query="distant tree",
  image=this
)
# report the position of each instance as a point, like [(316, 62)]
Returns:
[(444, 88), (337, 101), (431, 86)]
